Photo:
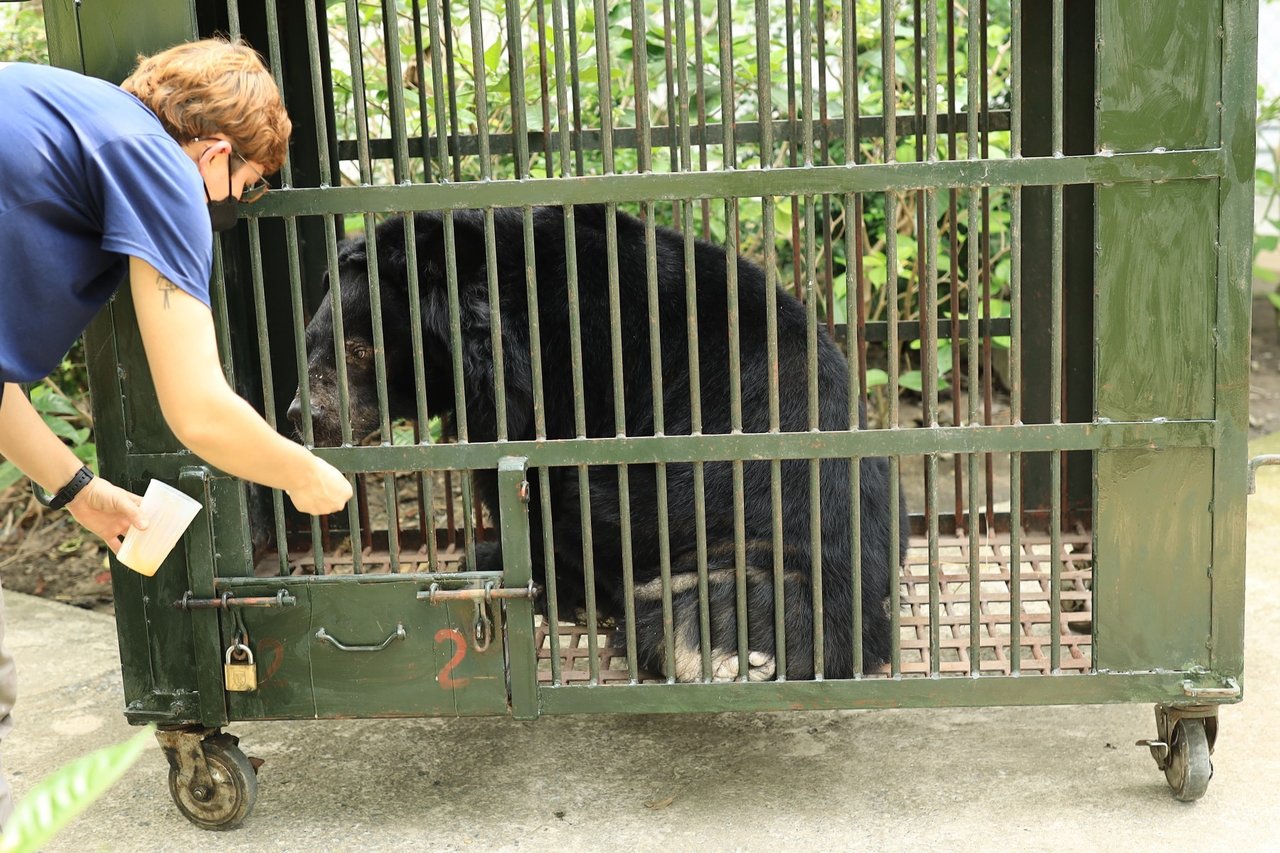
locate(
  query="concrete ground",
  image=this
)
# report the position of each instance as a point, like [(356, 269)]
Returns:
[(990, 778)]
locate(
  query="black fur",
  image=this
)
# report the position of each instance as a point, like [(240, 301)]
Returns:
[(558, 389)]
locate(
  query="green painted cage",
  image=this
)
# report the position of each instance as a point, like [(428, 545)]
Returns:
[(1021, 232)]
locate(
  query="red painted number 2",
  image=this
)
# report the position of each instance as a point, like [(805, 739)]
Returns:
[(452, 635)]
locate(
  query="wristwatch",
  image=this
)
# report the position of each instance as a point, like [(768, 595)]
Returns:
[(67, 493)]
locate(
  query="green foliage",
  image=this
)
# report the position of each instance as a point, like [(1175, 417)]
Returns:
[(680, 79), (66, 416), (1267, 191), (57, 799), (23, 28)]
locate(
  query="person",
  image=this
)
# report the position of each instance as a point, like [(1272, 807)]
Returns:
[(97, 180)]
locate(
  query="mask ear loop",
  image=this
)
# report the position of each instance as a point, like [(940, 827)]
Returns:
[(208, 197)]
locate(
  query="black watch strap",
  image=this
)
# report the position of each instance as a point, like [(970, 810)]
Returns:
[(68, 492)]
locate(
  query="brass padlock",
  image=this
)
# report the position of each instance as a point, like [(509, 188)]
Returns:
[(241, 676)]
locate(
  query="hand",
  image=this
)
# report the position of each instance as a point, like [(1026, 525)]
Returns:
[(108, 511), (325, 491)]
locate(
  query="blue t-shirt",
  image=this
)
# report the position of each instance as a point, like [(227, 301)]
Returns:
[(88, 177)]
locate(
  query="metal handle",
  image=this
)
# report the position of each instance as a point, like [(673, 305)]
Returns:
[(1255, 462), (399, 634)]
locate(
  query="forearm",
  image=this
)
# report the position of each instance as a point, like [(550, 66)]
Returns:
[(28, 443), (225, 431)]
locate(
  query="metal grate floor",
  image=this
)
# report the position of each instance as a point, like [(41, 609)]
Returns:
[(996, 633)]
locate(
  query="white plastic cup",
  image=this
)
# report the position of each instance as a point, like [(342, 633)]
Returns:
[(168, 512)]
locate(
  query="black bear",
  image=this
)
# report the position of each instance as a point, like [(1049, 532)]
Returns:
[(678, 392)]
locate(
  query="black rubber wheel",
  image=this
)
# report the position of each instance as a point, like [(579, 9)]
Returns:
[(1189, 768), (235, 788)]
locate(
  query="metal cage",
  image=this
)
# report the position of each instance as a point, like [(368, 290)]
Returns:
[(1026, 226)]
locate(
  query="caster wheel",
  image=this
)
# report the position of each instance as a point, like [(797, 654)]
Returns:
[(234, 790), (1188, 768)]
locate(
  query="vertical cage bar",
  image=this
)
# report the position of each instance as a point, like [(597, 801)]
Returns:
[(371, 263), (768, 207), (724, 31), (1015, 341), (268, 388), (589, 575), (888, 60), (953, 235), (639, 30), (1015, 562), (331, 245), (451, 88), (549, 567), (691, 320), (811, 351), (515, 60), (544, 475), (1055, 358), (972, 276), (438, 93), (371, 242), (701, 88), (549, 169), (221, 319), (824, 157), (854, 315), (562, 96), (486, 171), (296, 315), (459, 388), (855, 291), (895, 569), (929, 326), (611, 263), (420, 68), (580, 428), (395, 91), (576, 83), (793, 134), (670, 34), (987, 367), (331, 237)]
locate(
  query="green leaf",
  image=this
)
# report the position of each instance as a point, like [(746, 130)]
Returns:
[(912, 379), (9, 474), (45, 401), (88, 454), (66, 431), (68, 791), (876, 377)]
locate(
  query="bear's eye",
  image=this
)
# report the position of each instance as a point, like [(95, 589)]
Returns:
[(359, 351)]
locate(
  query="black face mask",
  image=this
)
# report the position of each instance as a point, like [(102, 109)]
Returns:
[(222, 213)]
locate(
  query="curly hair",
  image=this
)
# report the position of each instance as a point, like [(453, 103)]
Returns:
[(213, 86)]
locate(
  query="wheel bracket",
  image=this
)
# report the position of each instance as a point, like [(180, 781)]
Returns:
[(182, 747)]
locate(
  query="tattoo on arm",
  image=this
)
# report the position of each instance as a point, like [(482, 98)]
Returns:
[(166, 287)]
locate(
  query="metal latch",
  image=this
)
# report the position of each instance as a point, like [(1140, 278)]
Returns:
[(435, 595), (1257, 462), (484, 598)]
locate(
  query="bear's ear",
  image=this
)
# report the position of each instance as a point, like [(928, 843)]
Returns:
[(467, 244)]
